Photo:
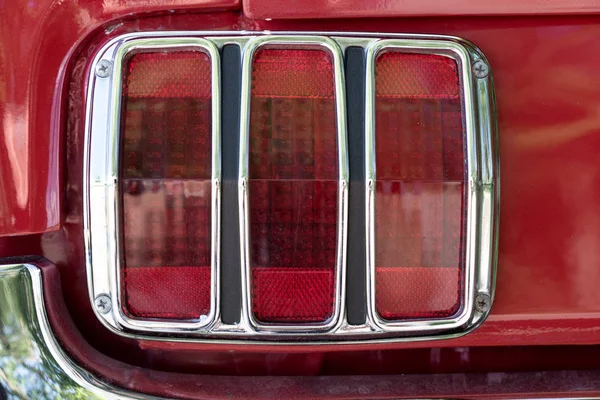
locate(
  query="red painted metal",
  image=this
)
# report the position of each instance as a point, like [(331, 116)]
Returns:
[(442, 384), (294, 9), (548, 91), (37, 45)]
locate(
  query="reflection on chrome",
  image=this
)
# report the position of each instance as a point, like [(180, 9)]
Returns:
[(32, 364)]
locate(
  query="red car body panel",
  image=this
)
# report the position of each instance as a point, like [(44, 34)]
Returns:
[(38, 41), (295, 9), (548, 100)]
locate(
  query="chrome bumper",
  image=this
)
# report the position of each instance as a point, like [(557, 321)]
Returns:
[(32, 364)]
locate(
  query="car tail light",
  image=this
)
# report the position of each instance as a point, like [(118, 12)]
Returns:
[(420, 216), (420, 181), (166, 172), (293, 185)]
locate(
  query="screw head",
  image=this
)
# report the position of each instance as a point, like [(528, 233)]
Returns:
[(480, 69), (483, 302), (103, 68), (102, 303)]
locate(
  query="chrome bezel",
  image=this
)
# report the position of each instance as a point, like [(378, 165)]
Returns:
[(102, 192), (100, 184), (476, 215), (327, 45)]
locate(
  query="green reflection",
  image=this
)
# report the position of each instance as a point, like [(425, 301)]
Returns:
[(28, 369)]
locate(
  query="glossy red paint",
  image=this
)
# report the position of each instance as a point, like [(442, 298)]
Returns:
[(295, 9), (548, 91), (440, 384), (37, 42)]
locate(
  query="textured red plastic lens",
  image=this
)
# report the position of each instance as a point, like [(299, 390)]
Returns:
[(419, 217), (293, 186), (166, 184)]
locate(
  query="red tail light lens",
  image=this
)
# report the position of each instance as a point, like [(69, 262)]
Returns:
[(419, 221), (293, 186), (166, 184)]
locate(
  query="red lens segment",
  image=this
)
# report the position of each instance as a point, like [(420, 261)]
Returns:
[(419, 219), (166, 143), (293, 186)]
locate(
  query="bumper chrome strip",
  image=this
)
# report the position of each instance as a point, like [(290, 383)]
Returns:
[(32, 362)]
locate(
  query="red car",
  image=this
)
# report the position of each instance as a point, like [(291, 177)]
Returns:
[(301, 199)]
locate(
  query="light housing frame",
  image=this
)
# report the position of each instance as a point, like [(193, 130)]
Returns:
[(100, 193)]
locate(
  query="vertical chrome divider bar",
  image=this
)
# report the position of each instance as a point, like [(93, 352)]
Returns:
[(243, 200), (94, 186), (370, 176), (473, 176), (490, 180), (338, 317), (215, 284)]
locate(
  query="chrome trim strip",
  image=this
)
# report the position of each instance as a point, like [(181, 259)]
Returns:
[(100, 194), (322, 43), (33, 365), (478, 280), (43, 362)]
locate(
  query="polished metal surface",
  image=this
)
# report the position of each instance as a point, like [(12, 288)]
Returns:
[(32, 364), (101, 192)]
